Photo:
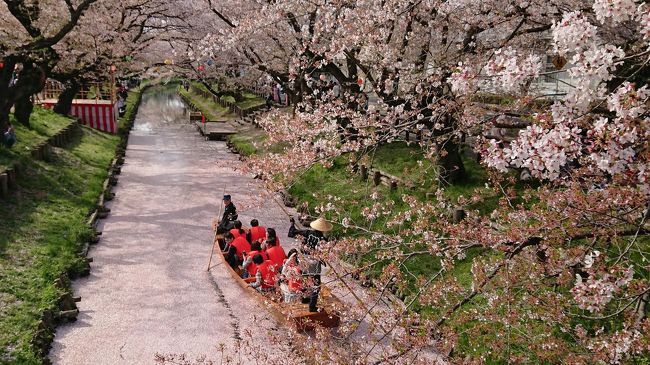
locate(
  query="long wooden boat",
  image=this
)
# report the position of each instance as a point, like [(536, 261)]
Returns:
[(296, 314)]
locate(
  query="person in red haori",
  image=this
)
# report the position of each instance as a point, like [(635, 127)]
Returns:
[(271, 234), (249, 266), (266, 274), (238, 230), (257, 232), (242, 246), (291, 278), (275, 252), (229, 251)]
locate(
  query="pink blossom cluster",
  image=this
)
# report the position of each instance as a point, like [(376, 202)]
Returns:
[(573, 33), (594, 293), (462, 80), (617, 10), (542, 151), (510, 72), (628, 101)]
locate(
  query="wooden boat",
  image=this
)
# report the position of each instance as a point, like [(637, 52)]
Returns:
[(296, 314)]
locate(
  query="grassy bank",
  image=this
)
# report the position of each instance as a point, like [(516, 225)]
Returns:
[(43, 227), (211, 110), (244, 141), (43, 124), (401, 160)]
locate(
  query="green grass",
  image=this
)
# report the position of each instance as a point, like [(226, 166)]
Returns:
[(132, 99), (43, 226), (404, 161), (244, 142), (211, 110), (199, 85), (227, 99), (43, 124), (250, 101)]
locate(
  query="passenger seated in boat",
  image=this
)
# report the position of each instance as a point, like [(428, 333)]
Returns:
[(275, 252), (249, 266), (230, 251), (238, 230), (312, 266), (265, 276), (271, 234), (257, 232), (291, 278), (234, 249), (242, 246)]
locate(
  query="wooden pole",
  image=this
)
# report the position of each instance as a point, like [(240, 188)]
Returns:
[(214, 239), (212, 251)]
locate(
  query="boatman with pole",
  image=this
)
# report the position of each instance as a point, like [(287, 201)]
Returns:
[(229, 215), (312, 265)]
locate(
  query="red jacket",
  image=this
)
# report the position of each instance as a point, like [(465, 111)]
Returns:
[(276, 255), (241, 245), (235, 233), (257, 233), (294, 277), (252, 267)]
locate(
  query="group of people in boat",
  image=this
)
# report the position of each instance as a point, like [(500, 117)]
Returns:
[(262, 261)]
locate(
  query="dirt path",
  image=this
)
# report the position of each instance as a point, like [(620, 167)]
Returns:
[(148, 291)]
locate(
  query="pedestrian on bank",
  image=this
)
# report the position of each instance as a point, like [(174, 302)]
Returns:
[(9, 136)]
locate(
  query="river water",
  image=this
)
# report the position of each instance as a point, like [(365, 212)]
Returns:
[(149, 291)]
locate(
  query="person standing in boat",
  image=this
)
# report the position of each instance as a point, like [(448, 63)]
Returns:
[(229, 215), (311, 237), (311, 265)]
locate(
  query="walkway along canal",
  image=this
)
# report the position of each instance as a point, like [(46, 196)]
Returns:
[(148, 291)]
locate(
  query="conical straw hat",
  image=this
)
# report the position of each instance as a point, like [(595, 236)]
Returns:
[(321, 224)]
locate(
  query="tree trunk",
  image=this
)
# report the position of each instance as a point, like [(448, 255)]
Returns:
[(450, 164), (24, 107), (5, 91), (31, 80), (642, 308), (64, 104)]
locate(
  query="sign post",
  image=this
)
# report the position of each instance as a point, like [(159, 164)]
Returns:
[(112, 71)]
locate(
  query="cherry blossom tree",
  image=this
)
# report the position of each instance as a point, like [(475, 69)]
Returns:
[(113, 34), (558, 271), (29, 31)]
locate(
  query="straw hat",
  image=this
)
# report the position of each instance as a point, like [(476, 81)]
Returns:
[(321, 224)]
